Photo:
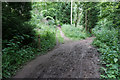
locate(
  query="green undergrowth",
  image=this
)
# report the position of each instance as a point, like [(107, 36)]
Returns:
[(14, 57), (15, 54), (74, 33), (60, 39), (108, 46), (47, 36)]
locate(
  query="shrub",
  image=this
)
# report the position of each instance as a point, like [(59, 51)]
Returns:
[(14, 57), (107, 42)]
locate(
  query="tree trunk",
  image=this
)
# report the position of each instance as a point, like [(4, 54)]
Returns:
[(80, 13), (86, 21), (71, 12), (77, 17)]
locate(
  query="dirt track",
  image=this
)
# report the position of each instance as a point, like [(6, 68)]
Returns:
[(76, 59)]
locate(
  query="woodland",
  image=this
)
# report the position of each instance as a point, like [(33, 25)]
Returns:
[(25, 23)]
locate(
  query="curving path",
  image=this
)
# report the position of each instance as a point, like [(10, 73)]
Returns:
[(77, 59)]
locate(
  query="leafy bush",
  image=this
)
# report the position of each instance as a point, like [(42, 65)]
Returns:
[(75, 33), (47, 40), (14, 57), (16, 54), (107, 41), (20, 41)]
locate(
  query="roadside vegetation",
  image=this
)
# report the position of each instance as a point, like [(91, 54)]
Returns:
[(29, 29), (74, 33), (107, 43), (101, 21), (20, 41), (107, 32)]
